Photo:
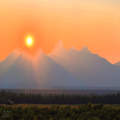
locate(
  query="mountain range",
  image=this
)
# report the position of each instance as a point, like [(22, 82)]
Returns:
[(61, 69), (118, 63)]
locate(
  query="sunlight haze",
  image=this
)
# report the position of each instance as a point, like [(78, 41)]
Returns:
[(77, 23)]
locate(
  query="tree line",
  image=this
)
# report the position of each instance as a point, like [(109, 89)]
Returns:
[(18, 98)]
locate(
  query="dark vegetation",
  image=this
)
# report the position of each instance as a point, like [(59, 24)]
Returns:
[(60, 112), (22, 98), (18, 106)]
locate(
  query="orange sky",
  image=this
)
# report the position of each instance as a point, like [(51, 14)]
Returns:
[(78, 23)]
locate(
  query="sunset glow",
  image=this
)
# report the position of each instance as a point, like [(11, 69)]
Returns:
[(29, 41), (91, 23)]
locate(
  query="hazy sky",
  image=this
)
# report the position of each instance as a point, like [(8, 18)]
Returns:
[(78, 23)]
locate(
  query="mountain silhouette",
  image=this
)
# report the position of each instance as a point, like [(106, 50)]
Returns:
[(42, 72), (91, 69), (63, 68), (118, 64)]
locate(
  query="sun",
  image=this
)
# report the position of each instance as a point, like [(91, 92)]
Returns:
[(29, 41)]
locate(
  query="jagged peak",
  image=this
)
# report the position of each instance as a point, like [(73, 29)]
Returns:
[(59, 48), (85, 50), (40, 55), (40, 52), (60, 44), (12, 56), (15, 53), (71, 50), (118, 63)]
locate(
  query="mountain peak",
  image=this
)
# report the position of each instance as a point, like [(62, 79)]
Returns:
[(60, 44), (118, 63), (40, 54), (59, 48), (85, 50)]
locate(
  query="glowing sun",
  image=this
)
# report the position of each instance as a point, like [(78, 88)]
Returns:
[(29, 41)]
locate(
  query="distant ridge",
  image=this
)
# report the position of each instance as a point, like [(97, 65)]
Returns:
[(118, 64), (68, 69)]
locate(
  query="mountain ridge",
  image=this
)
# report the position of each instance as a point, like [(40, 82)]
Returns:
[(61, 69)]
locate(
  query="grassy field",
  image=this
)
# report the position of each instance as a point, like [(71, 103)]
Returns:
[(60, 112)]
